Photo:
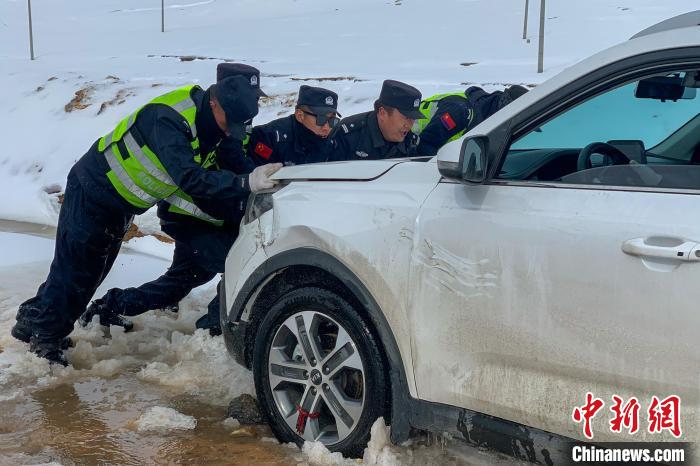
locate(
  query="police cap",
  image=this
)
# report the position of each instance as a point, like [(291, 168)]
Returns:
[(319, 100), (251, 73), (239, 101), (406, 99)]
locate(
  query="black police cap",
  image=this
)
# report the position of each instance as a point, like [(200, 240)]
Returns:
[(319, 100), (406, 99), (239, 101), (251, 73)]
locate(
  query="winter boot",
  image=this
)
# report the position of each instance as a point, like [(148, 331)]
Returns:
[(23, 332), (48, 348), (107, 316), (207, 322)]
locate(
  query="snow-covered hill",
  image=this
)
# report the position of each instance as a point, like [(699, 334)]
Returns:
[(112, 53)]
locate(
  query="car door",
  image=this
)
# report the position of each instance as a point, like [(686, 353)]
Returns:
[(552, 280)]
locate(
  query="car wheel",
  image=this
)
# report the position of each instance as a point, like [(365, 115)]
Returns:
[(319, 373)]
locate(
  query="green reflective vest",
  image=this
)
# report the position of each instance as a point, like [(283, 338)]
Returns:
[(138, 175), (181, 203), (429, 108)]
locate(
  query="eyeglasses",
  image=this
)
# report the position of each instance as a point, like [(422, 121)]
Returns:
[(323, 119)]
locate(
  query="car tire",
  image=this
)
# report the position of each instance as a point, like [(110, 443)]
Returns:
[(286, 360)]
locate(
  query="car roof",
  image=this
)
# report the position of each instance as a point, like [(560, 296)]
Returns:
[(685, 20), (663, 40)]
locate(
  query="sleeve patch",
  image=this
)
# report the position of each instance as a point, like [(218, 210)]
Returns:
[(447, 121), (263, 151)]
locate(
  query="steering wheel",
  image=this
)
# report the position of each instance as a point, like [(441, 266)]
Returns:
[(584, 157)]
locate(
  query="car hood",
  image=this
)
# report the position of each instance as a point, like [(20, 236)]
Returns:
[(358, 170)]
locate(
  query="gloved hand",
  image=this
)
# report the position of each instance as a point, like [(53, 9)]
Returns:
[(259, 179)]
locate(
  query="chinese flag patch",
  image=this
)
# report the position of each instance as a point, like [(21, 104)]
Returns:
[(263, 151), (448, 122)]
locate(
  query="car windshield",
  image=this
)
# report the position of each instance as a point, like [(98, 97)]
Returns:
[(619, 115)]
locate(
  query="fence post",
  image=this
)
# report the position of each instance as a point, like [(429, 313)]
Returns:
[(162, 15), (540, 53), (31, 34), (527, 5)]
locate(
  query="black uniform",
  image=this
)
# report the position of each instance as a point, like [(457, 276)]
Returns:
[(358, 137), (456, 113), (287, 141), (200, 247), (94, 218)]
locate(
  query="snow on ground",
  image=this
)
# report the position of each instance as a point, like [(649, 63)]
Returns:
[(160, 418), (160, 350)]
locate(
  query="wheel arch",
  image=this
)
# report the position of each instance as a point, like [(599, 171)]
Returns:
[(309, 266)]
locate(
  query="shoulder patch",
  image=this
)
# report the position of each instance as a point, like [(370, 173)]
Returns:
[(263, 151), (447, 121)]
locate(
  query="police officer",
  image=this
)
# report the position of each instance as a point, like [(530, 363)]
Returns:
[(299, 138), (155, 153), (201, 241), (449, 116), (385, 132)]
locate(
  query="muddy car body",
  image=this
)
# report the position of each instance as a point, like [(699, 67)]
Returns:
[(497, 283)]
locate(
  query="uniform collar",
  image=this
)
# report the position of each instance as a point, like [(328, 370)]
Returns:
[(376, 134)]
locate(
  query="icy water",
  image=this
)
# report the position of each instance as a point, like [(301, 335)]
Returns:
[(157, 395)]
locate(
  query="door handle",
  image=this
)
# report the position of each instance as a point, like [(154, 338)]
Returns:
[(663, 247)]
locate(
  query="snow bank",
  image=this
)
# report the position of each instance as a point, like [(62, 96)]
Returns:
[(160, 419), (161, 350)]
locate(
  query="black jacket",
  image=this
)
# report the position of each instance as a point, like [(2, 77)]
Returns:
[(167, 133), (358, 137), (456, 113), (287, 141)]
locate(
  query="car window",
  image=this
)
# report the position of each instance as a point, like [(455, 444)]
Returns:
[(645, 133)]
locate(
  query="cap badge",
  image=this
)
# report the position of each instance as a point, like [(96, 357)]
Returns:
[(416, 103), (329, 100), (254, 80)]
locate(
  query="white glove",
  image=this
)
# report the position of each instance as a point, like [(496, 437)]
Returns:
[(259, 179)]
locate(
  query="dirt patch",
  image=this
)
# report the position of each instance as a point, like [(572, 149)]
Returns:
[(118, 99), (81, 100), (200, 57), (331, 78), (134, 232), (285, 100)]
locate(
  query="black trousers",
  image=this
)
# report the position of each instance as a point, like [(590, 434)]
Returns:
[(88, 239), (200, 253)]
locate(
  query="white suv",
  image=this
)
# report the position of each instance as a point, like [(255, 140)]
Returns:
[(553, 251)]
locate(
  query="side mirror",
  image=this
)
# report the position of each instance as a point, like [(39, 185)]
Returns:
[(474, 159)]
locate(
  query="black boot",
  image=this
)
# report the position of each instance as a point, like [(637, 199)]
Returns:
[(107, 316), (48, 348), (207, 322), (23, 332)]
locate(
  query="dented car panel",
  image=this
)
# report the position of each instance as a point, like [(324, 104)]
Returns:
[(344, 221)]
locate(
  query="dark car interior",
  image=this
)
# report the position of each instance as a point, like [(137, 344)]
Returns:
[(617, 161)]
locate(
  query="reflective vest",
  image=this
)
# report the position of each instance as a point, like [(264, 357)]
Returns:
[(429, 107), (181, 203), (135, 170)]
